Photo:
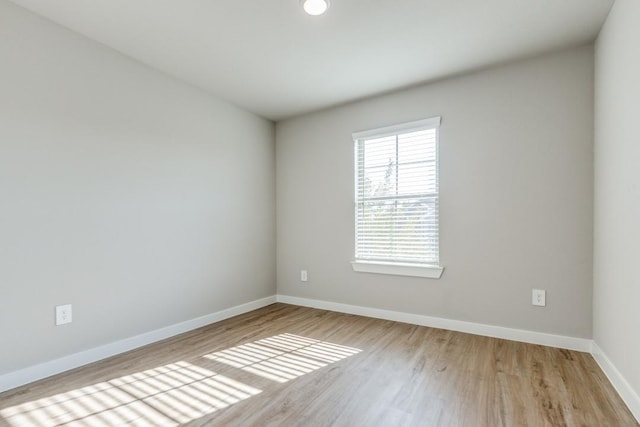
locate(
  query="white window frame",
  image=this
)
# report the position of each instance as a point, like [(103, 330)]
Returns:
[(433, 271)]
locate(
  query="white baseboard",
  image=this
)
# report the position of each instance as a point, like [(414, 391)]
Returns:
[(24, 376), (624, 389), (560, 341), (33, 373)]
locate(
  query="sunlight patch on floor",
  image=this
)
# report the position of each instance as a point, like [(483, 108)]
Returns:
[(283, 357), (169, 395)]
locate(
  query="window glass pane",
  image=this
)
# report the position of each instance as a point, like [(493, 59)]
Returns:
[(417, 146), (417, 178), (380, 151), (380, 181), (401, 230)]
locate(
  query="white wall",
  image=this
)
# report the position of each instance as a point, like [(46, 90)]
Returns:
[(516, 197), (617, 192), (140, 200)]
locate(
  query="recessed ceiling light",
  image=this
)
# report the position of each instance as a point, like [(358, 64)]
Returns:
[(315, 7)]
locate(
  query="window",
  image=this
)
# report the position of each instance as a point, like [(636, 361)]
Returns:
[(396, 199)]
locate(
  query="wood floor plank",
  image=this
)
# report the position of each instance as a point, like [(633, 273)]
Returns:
[(292, 366)]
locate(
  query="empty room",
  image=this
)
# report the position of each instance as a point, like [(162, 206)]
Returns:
[(319, 213)]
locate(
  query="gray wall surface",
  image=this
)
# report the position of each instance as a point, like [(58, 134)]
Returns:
[(140, 200), (617, 191), (516, 197)]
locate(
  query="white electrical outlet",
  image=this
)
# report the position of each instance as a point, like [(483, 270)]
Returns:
[(303, 276), (539, 297), (63, 314)]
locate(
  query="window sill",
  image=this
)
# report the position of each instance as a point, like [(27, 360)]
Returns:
[(431, 272)]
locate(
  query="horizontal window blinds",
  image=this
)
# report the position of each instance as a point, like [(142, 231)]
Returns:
[(397, 194)]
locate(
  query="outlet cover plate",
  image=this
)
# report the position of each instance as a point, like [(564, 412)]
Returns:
[(63, 314), (539, 297)]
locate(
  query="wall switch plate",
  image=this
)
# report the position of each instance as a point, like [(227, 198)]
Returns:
[(303, 276), (63, 314), (539, 297)]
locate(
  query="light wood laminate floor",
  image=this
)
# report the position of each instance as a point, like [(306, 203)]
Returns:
[(291, 366)]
